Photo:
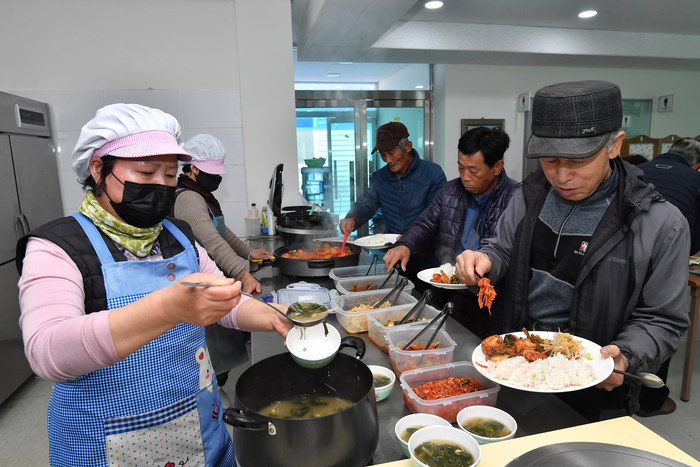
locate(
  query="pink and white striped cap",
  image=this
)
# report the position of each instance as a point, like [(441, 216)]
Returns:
[(127, 131)]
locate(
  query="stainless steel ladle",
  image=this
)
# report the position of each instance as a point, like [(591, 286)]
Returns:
[(302, 324), (649, 380)]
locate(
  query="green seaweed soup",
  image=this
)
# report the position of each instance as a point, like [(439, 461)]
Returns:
[(443, 454), (306, 406), (381, 380), (486, 427), (408, 432), (304, 311)]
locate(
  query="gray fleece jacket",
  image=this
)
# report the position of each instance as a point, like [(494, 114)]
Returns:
[(630, 287)]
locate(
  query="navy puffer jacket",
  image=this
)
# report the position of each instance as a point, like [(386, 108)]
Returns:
[(441, 225), (402, 197)]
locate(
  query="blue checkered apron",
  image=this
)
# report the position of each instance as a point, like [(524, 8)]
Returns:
[(157, 407)]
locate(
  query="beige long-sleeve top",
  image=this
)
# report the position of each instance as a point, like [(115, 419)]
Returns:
[(228, 254)]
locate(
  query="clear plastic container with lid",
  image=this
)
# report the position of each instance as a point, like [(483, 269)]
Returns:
[(449, 407), (369, 283), (356, 271), (378, 322), (356, 321), (305, 292), (403, 360)]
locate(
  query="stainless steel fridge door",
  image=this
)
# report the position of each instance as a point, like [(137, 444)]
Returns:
[(36, 173), (9, 207), (15, 367)]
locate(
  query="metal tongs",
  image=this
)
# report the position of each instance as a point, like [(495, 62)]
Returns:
[(442, 317), (375, 261), (417, 308), (393, 295), (391, 273)]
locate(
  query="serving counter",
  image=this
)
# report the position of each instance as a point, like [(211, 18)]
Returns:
[(535, 413)]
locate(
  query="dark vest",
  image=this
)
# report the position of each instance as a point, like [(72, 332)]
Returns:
[(67, 233)]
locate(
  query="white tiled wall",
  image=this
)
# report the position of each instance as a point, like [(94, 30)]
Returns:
[(215, 112)]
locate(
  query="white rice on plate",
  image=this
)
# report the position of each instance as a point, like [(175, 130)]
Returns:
[(555, 372)]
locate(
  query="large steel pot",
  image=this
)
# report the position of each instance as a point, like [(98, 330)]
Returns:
[(313, 267), (344, 439)]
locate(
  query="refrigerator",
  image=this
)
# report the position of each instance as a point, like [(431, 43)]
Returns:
[(30, 196)]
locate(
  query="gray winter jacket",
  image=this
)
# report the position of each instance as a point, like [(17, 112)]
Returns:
[(631, 287)]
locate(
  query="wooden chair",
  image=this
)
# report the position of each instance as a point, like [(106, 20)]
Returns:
[(642, 144), (667, 142)]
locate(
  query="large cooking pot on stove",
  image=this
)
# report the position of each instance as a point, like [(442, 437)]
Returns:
[(344, 439), (313, 267)]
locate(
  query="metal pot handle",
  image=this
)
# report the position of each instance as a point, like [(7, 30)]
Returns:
[(321, 264), (238, 419), (354, 342)]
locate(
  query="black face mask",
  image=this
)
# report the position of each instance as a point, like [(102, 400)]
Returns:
[(144, 204), (208, 181)]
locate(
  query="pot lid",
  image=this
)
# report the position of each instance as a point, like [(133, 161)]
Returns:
[(276, 190)]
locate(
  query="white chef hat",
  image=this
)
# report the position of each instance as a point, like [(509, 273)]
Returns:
[(208, 154), (127, 130)]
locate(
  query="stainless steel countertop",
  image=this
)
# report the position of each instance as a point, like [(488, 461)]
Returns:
[(535, 413)]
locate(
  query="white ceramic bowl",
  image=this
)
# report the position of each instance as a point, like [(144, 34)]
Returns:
[(315, 349), (443, 433), (485, 411), (416, 419), (382, 393)]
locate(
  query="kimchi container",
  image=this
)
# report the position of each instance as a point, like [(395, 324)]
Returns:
[(356, 321), (377, 322), (449, 407), (402, 360)]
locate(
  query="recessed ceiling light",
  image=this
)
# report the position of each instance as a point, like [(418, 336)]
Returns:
[(339, 87), (587, 14), (345, 63), (333, 75), (433, 5), (419, 87)]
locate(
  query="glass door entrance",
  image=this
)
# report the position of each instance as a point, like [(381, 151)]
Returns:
[(334, 161)]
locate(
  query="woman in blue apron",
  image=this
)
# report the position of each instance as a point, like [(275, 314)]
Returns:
[(104, 315)]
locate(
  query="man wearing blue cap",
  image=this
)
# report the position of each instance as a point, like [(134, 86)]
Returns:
[(588, 248)]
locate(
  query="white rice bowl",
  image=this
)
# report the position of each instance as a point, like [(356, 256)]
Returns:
[(555, 372)]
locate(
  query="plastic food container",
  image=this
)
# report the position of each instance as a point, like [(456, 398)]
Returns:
[(356, 271), (305, 292), (354, 322), (345, 286), (402, 360), (377, 320), (449, 407)]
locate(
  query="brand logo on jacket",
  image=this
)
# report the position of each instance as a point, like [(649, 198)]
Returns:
[(588, 130), (617, 260), (582, 249)]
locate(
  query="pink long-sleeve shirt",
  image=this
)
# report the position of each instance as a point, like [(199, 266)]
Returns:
[(62, 342)]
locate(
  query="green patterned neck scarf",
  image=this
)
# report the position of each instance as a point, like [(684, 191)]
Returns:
[(136, 240)]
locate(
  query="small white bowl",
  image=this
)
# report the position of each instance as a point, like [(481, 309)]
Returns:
[(382, 393), (416, 419), (443, 433), (311, 347), (486, 411)]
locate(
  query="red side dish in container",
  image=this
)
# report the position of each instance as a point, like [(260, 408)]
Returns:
[(415, 384)]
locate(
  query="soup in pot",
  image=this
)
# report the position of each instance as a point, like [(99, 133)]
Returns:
[(306, 406)]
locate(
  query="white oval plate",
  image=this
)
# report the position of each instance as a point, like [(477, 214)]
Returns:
[(427, 274), (602, 366), (371, 241)]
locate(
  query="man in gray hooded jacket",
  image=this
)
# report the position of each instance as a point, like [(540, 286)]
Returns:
[(586, 247)]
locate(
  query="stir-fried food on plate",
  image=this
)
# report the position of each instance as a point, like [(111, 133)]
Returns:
[(486, 293), (324, 251), (532, 347), (447, 275)]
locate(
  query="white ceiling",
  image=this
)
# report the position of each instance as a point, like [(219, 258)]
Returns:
[(637, 34)]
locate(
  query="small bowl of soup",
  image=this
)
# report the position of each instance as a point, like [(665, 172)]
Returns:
[(409, 424), (384, 380), (486, 424), (435, 446)]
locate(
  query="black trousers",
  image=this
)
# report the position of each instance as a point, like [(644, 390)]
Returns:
[(652, 399)]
